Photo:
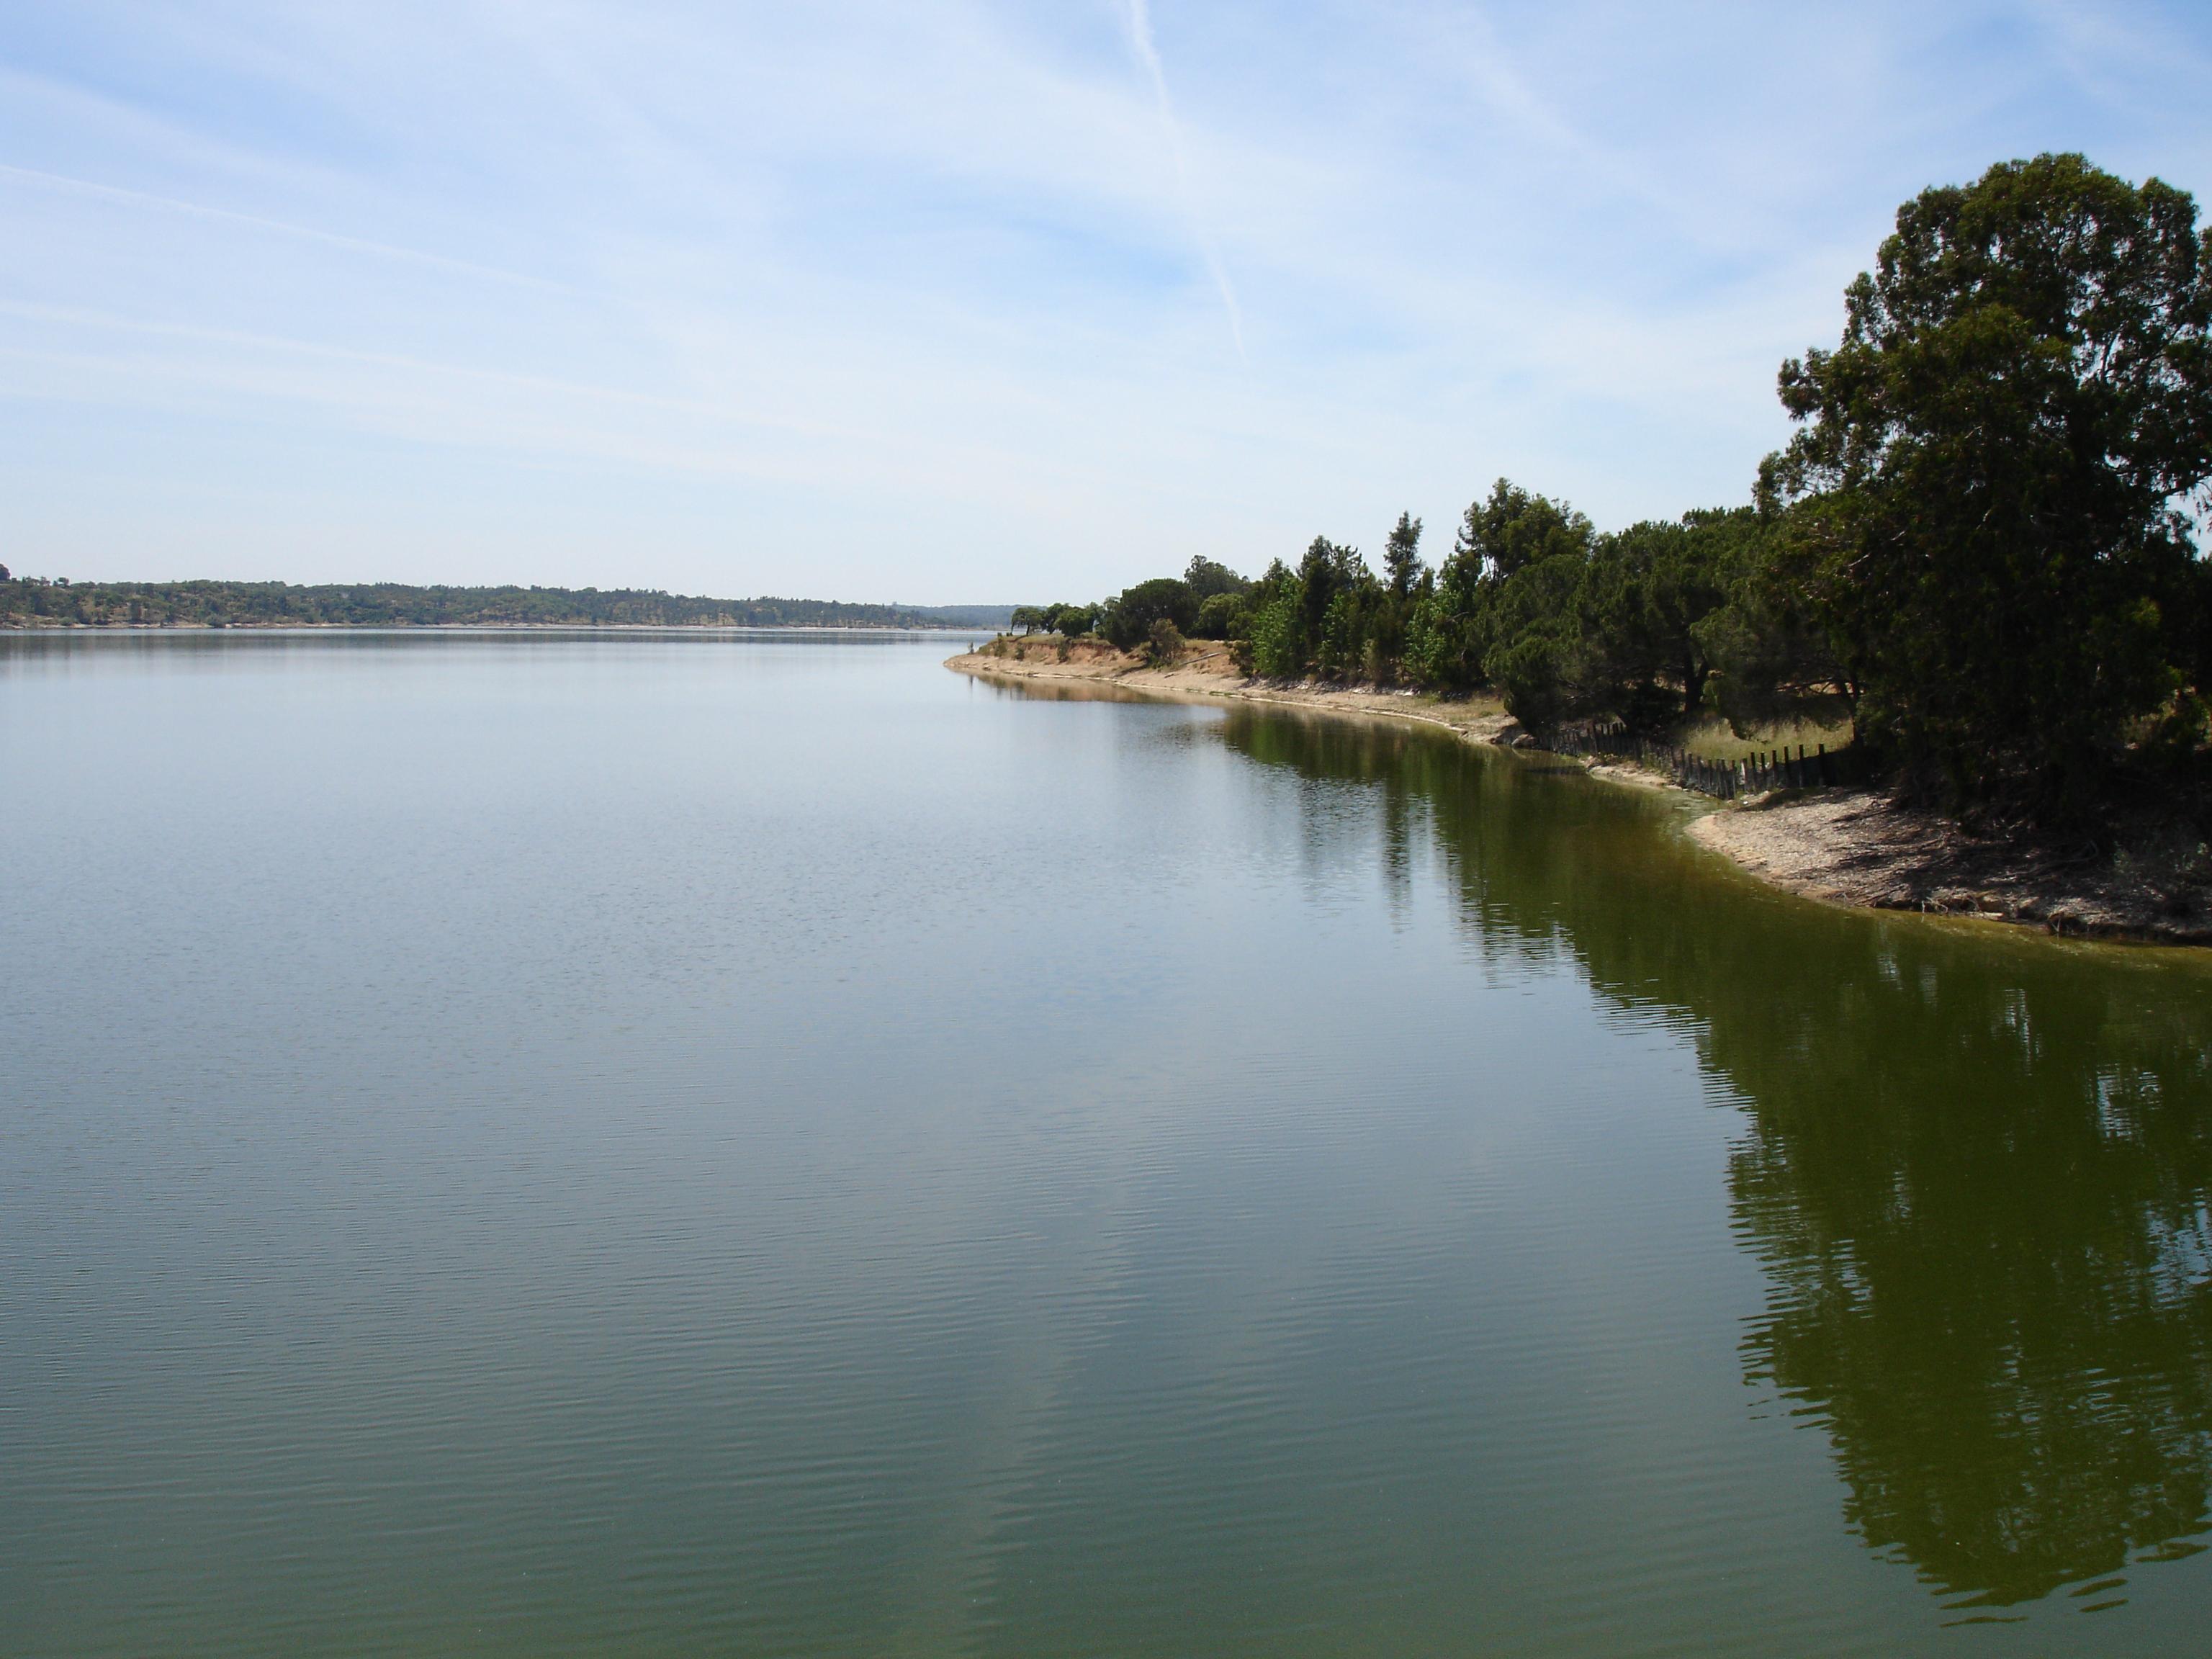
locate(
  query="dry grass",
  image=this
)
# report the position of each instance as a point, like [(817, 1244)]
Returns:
[(1710, 736)]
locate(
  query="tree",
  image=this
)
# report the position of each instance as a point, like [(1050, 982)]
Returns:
[(1128, 617), (1514, 529), (1988, 508), (1406, 581), (1402, 557), (1267, 644), (1208, 580), (1446, 633), (1271, 649), (1645, 596), (1070, 621), (1454, 627), (1767, 659), (1221, 615), (1335, 589), (1535, 656)]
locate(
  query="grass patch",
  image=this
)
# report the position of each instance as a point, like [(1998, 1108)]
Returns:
[(1709, 735)]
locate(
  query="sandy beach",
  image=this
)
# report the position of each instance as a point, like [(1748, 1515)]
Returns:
[(1205, 674)]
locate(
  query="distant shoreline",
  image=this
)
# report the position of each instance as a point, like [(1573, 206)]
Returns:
[(13, 625), (38, 602), (1849, 847)]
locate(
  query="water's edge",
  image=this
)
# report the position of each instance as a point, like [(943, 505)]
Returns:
[(1851, 849)]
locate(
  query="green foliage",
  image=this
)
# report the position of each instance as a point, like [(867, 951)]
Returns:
[(1336, 592), (1406, 581), (1444, 633), (1769, 661), (1127, 618), (1458, 621), (1512, 529), (1223, 606), (1209, 581), (1274, 651), (1163, 643), (1535, 656), (1401, 558), (1340, 648), (1071, 621), (1223, 617), (1485, 612), (1986, 510)]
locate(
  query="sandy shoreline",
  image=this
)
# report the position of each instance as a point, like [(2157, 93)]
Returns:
[(1855, 847), (1208, 676), (1846, 847)]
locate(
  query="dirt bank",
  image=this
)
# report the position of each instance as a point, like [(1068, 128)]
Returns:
[(1856, 846), (1205, 674)]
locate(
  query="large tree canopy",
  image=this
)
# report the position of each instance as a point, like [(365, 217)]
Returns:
[(1989, 508)]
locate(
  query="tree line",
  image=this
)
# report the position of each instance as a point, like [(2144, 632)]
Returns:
[(29, 601), (1981, 541)]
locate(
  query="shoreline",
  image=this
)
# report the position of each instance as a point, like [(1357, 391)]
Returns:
[(1853, 849), (1209, 676), (44, 626)]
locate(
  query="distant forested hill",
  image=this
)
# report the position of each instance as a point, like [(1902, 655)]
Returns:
[(998, 618), (33, 603)]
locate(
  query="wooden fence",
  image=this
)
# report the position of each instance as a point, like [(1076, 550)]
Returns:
[(1819, 767)]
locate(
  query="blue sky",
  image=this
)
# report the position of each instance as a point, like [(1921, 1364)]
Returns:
[(946, 300)]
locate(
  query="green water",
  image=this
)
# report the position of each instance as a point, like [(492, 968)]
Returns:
[(627, 1144)]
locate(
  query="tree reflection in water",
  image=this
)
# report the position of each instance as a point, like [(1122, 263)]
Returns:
[(1976, 1165)]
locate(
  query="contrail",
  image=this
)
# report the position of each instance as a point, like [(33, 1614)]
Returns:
[(1140, 32), (305, 233)]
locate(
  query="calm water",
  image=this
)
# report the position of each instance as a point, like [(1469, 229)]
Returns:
[(542, 1145)]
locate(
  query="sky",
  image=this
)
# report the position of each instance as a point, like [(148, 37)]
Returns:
[(949, 301)]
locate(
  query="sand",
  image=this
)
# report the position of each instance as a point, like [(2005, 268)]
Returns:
[(1206, 674)]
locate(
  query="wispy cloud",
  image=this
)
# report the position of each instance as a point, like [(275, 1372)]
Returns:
[(139, 199), (1148, 54), (867, 296)]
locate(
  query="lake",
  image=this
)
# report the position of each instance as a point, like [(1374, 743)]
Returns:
[(554, 1144)]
